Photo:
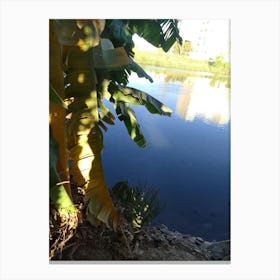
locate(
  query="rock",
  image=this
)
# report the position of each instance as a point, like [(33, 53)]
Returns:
[(199, 240), (192, 239), (163, 227), (220, 250)]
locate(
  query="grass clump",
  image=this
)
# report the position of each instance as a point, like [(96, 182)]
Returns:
[(140, 204)]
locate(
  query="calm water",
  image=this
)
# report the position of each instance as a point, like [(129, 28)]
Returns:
[(188, 154)]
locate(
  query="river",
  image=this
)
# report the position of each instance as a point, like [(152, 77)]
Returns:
[(188, 154)]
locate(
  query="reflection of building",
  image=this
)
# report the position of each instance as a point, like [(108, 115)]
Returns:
[(199, 100), (184, 98)]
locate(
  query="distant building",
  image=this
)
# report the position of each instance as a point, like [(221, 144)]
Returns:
[(209, 38)]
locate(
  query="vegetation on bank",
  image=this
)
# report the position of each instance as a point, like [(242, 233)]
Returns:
[(181, 75), (171, 60)]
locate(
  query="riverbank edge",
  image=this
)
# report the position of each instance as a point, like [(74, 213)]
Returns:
[(151, 244), (165, 244)]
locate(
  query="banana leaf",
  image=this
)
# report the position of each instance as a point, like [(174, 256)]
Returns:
[(87, 170), (58, 194), (126, 114), (170, 33), (122, 97), (57, 112), (120, 35), (85, 140), (141, 73), (160, 33), (119, 31), (138, 97)]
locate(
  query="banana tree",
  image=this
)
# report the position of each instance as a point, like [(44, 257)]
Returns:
[(91, 60)]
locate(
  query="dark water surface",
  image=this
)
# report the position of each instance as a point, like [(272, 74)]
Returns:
[(188, 154)]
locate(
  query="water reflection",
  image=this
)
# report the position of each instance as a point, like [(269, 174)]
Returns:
[(203, 96), (179, 75), (199, 100)]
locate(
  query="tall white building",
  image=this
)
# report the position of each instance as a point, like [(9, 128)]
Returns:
[(209, 38)]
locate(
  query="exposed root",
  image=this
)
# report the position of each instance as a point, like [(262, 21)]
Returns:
[(62, 228)]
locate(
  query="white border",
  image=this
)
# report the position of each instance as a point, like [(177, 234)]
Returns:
[(255, 138)]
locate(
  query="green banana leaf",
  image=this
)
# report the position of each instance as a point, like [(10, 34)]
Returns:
[(121, 36), (141, 73), (160, 33), (138, 97), (122, 97), (126, 114), (170, 33), (119, 33)]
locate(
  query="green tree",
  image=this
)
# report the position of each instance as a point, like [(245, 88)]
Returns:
[(91, 60), (182, 49), (219, 65)]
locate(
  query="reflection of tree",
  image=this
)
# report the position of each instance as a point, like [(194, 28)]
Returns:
[(175, 76), (181, 76), (217, 79), (169, 74), (219, 65)]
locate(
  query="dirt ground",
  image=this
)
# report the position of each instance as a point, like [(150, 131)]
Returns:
[(150, 244)]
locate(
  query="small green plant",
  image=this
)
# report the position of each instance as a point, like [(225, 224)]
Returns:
[(141, 204)]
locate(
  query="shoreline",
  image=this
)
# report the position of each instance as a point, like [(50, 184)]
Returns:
[(161, 59), (152, 243), (182, 247)]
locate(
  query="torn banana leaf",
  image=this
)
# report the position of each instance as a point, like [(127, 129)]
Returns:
[(87, 170), (138, 97), (160, 33), (85, 143), (126, 114), (141, 73)]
